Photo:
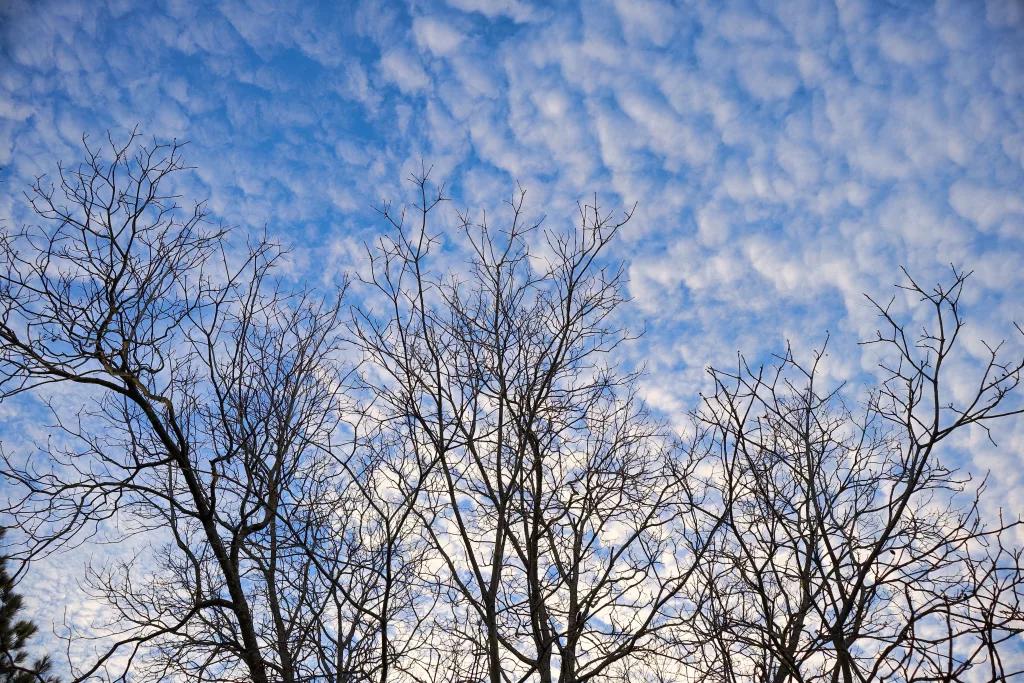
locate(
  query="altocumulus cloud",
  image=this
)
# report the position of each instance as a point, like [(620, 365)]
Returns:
[(785, 157)]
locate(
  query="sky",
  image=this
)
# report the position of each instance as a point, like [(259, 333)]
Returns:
[(785, 158)]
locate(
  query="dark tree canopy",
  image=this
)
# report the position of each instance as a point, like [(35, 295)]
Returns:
[(16, 664)]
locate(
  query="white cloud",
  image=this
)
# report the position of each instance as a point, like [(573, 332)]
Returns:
[(983, 205), (552, 104), (649, 20), (436, 35), (910, 44), (518, 11), (1004, 13), (767, 74), (404, 70)]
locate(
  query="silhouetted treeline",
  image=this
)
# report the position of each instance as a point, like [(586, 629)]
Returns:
[(450, 479)]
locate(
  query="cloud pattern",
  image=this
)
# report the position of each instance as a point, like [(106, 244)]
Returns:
[(785, 156)]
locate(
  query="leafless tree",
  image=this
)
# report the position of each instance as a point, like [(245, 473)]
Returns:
[(216, 428), (565, 524), (852, 550), (453, 480)]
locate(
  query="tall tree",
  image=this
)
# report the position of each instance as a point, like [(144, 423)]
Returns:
[(565, 524), (216, 424), (853, 550), (453, 480)]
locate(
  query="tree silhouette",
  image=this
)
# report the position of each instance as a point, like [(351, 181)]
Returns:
[(453, 480), (15, 633)]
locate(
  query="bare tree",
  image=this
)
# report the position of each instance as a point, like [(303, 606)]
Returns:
[(852, 551), (216, 428), (453, 481), (564, 522)]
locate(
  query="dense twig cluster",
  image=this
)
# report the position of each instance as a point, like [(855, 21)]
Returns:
[(452, 482)]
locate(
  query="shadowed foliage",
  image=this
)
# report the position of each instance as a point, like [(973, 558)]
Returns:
[(15, 663)]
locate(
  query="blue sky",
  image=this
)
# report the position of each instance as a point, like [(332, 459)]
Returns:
[(785, 157)]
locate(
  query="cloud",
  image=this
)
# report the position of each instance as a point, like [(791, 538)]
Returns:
[(910, 43), (517, 10), (983, 205), (404, 70), (436, 35), (648, 20)]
